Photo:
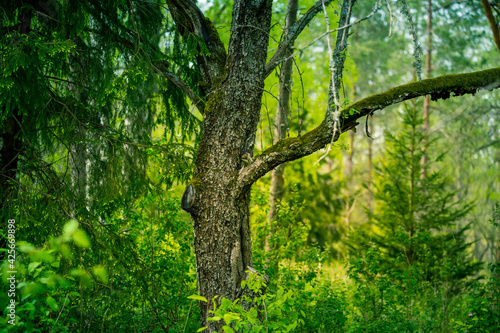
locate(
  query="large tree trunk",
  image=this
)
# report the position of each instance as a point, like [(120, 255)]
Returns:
[(220, 211)]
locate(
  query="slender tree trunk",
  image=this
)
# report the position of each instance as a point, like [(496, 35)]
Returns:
[(369, 175), (350, 154), (11, 146), (352, 132), (281, 126), (79, 169), (493, 23), (427, 99)]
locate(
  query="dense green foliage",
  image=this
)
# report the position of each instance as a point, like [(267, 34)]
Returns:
[(101, 145)]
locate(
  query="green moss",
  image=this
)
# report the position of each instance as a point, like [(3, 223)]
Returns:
[(196, 182), (214, 100), (281, 145), (217, 49), (442, 87)]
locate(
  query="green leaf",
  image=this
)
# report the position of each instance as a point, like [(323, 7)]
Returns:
[(202, 329), (69, 229), (214, 318), (51, 302), (230, 317), (198, 298), (227, 329), (101, 273), (32, 266), (80, 238)]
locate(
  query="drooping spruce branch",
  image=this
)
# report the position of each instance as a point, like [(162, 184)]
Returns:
[(290, 149), (195, 99)]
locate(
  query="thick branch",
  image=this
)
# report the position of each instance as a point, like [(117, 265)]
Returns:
[(188, 18), (290, 149), (191, 21), (292, 35)]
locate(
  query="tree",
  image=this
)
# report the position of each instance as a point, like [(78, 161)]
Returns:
[(222, 178), (227, 88), (417, 218)]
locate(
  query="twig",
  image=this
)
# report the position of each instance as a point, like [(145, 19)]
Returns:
[(62, 308)]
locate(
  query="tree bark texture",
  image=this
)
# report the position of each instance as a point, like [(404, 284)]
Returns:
[(221, 214)]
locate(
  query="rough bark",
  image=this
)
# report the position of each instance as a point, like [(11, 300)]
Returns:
[(221, 214), (281, 125)]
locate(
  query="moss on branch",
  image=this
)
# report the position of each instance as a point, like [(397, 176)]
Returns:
[(442, 87)]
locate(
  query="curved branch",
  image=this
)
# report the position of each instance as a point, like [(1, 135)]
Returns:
[(292, 35), (290, 149), (195, 99), (190, 20)]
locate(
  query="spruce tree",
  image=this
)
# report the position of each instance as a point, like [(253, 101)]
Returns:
[(417, 222)]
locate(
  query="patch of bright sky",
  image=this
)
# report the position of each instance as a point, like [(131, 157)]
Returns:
[(203, 4)]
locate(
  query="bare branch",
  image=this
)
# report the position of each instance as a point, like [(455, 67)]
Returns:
[(290, 149), (292, 35), (284, 57), (489, 144)]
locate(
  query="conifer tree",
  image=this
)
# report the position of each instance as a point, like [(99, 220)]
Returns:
[(416, 221)]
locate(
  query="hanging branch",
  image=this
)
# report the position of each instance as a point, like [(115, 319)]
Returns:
[(337, 59)]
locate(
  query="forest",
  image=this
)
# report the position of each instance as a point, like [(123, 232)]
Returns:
[(250, 166)]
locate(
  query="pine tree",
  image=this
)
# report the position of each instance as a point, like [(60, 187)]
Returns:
[(417, 221)]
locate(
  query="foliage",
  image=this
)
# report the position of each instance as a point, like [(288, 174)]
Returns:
[(136, 278), (48, 292)]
